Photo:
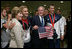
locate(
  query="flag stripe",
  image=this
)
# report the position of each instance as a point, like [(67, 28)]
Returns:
[(45, 31)]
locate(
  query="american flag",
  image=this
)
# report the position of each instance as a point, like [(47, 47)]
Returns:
[(45, 32)]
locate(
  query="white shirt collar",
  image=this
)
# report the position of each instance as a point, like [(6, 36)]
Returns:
[(41, 18)]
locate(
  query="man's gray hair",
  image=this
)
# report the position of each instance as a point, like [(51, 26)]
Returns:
[(42, 7)]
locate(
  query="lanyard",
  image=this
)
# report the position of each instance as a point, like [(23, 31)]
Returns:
[(53, 20), (23, 24)]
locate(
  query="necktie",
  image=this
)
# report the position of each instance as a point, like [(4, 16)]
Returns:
[(42, 22)]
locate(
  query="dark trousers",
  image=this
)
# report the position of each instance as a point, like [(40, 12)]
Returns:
[(36, 42), (27, 45), (69, 42), (35, 39), (54, 43), (39, 43), (43, 43)]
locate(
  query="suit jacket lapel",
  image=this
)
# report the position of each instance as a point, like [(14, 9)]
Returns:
[(39, 21)]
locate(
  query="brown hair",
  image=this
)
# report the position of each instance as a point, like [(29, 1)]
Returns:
[(2, 9), (52, 5), (15, 11)]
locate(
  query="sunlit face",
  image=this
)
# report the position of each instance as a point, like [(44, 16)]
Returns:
[(4, 13), (52, 9), (41, 11), (19, 16), (25, 12)]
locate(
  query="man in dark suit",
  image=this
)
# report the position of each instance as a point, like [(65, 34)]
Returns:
[(37, 21)]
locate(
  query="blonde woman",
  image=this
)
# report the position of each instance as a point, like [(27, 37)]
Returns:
[(26, 26), (17, 31)]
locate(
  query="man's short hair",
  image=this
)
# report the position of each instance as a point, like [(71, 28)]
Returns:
[(52, 5), (59, 10), (42, 7)]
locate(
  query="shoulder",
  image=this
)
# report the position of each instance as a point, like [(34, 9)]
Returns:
[(58, 16), (46, 16), (35, 17), (15, 21), (63, 17)]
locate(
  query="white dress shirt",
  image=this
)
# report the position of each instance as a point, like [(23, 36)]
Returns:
[(64, 20), (41, 19)]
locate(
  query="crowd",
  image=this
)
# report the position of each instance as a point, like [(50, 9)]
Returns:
[(20, 30)]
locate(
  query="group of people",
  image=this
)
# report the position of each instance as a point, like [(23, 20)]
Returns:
[(19, 30)]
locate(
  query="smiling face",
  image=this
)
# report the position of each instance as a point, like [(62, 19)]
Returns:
[(19, 16), (16, 13), (25, 12), (4, 13), (52, 9), (41, 11)]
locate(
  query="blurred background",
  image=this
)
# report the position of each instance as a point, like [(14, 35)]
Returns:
[(64, 6)]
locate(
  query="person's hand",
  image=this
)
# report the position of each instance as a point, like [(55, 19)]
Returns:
[(9, 16), (62, 37), (12, 25), (5, 25), (35, 27)]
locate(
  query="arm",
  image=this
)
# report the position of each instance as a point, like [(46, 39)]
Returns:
[(62, 29), (9, 24), (65, 26), (34, 26), (3, 24)]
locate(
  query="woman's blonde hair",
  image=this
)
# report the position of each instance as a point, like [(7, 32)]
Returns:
[(22, 7), (15, 11)]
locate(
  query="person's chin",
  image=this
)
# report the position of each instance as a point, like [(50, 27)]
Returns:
[(41, 14), (26, 15), (20, 19)]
